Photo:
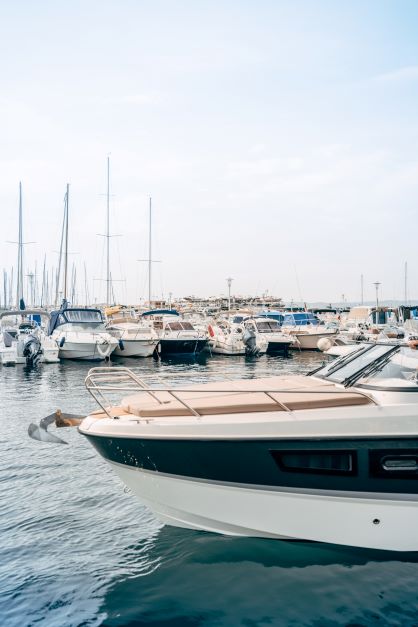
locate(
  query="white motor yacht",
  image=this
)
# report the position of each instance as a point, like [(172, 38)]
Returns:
[(230, 336), (81, 334), (330, 457), (305, 327), (277, 340), (135, 337), (177, 336), (23, 339)]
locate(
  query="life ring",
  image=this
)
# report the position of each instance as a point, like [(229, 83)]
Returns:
[(211, 331), (99, 348)]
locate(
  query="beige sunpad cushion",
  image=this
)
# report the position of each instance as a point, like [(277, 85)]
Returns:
[(208, 402)]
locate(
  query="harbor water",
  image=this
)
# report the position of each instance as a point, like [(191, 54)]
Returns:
[(77, 549)]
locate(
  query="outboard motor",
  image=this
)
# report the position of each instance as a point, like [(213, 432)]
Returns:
[(7, 339), (32, 350), (250, 342)]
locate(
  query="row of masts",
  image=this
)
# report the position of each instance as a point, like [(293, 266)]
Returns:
[(68, 291), (57, 281)]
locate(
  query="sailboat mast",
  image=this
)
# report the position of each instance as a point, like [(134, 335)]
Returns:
[(19, 287), (108, 235), (5, 288), (149, 252), (406, 283), (67, 197)]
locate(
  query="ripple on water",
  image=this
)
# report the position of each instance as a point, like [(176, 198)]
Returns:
[(77, 550)]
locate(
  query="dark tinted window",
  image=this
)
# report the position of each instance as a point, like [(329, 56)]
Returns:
[(394, 463), (321, 462)]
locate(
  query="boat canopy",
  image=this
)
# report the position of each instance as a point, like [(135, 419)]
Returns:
[(300, 318), (267, 326), (273, 315), (180, 326), (65, 316), (24, 312), (161, 312)]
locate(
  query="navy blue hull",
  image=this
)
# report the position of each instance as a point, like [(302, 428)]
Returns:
[(278, 347), (354, 465), (182, 347)]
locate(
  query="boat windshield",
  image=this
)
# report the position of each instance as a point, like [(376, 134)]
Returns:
[(352, 367), (83, 315), (180, 326), (300, 319), (267, 326)]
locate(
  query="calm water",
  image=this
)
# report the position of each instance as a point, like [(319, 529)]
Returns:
[(75, 549)]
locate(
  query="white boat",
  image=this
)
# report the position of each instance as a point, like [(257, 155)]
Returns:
[(330, 457), (135, 337), (81, 334), (23, 340), (231, 336), (177, 336), (270, 330), (306, 329)]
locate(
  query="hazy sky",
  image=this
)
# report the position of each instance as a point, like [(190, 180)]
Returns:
[(278, 139)]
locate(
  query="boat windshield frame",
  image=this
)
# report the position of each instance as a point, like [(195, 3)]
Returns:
[(365, 367)]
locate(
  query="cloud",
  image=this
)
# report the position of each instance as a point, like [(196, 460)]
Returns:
[(140, 99), (408, 73)]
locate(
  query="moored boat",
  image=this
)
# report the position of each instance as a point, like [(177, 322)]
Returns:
[(338, 445), (80, 334), (177, 336), (135, 338)]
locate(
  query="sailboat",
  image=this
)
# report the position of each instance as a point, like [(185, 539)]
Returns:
[(22, 338), (79, 333)]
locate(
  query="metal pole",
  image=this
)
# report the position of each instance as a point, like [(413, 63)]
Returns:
[(19, 287), (108, 236), (229, 281), (362, 289), (406, 283), (376, 284), (66, 209), (149, 252)]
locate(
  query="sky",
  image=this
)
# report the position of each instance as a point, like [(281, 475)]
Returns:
[(277, 139)]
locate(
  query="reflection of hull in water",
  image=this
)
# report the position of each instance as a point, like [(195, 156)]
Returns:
[(182, 347)]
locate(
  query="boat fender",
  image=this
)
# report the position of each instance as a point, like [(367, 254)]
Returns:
[(121, 345), (62, 341), (211, 331)]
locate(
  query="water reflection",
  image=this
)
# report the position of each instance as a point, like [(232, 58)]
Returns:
[(205, 579), (77, 550)]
